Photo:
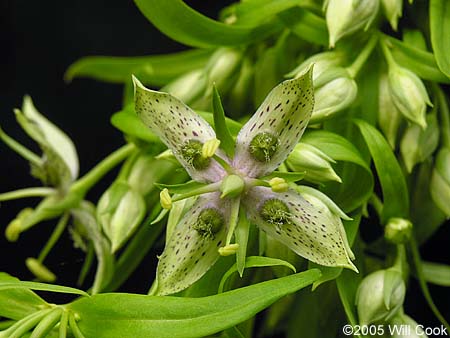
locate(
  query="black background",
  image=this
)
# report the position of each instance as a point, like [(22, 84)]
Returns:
[(38, 41)]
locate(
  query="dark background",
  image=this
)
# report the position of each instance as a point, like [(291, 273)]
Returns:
[(38, 41)]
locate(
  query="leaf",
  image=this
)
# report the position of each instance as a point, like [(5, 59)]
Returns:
[(418, 61), (195, 29), (182, 187), (393, 184), (440, 33), (16, 303), (220, 126), (254, 262), (155, 70), (5, 285), (129, 123), (347, 284), (289, 176), (436, 273), (306, 25), (126, 315)]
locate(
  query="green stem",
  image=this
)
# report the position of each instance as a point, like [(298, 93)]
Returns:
[(20, 149), (88, 260), (95, 174), (56, 234), (445, 117), (423, 284), (377, 204), (27, 192), (387, 54), (356, 66), (202, 190)]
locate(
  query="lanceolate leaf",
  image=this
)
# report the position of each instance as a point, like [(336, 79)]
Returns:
[(393, 184), (156, 70), (125, 315), (195, 29), (436, 273), (440, 33), (418, 61), (220, 126), (5, 285)]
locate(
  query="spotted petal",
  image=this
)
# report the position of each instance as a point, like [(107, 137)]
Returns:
[(311, 232), (281, 118), (189, 254), (180, 128)]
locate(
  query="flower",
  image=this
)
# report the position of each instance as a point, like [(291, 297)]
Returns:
[(264, 142)]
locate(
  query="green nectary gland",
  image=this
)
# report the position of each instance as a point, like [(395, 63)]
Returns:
[(192, 153), (263, 146), (275, 211), (209, 223)]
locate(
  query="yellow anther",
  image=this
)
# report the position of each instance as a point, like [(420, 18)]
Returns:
[(13, 230), (40, 270), (278, 184), (165, 199), (210, 147), (229, 249)]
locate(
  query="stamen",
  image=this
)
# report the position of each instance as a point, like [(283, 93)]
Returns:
[(192, 152), (278, 184), (229, 249), (165, 199), (210, 147)]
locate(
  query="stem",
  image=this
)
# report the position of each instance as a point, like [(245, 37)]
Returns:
[(20, 149), (27, 192), (377, 204), (387, 54), (234, 215), (88, 260), (56, 234), (356, 66), (100, 170), (423, 284), (202, 190), (445, 117)]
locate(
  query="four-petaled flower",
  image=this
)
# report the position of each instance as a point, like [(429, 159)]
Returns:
[(206, 230)]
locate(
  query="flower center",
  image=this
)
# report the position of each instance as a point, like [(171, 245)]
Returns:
[(275, 212), (209, 223), (192, 153), (263, 146)]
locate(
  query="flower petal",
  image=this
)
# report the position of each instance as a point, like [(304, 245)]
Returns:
[(270, 135), (181, 129), (190, 252), (309, 231)]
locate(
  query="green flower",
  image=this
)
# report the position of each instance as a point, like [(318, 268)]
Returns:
[(264, 142)]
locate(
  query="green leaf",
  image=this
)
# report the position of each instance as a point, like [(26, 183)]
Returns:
[(195, 29), (418, 61), (16, 303), (129, 123), (306, 25), (436, 273), (440, 33), (155, 70), (5, 285), (393, 184), (347, 285), (182, 187), (220, 126), (289, 176), (255, 262), (126, 315)]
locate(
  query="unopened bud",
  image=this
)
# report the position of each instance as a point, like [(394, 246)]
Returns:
[(418, 144), (409, 94), (440, 181), (278, 184), (389, 117), (222, 66), (314, 162), (322, 62), (335, 91), (232, 186), (345, 17), (393, 11), (398, 230), (40, 270), (229, 249), (210, 147), (188, 87), (165, 199), (380, 295), (411, 328)]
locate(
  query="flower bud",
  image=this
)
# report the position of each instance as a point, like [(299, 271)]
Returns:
[(418, 144), (334, 91), (389, 117), (406, 327), (440, 181), (239, 100), (314, 162), (409, 94), (188, 87), (345, 17), (120, 210), (223, 67), (322, 62), (393, 11), (380, 295), (398, 230)]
